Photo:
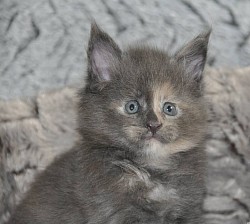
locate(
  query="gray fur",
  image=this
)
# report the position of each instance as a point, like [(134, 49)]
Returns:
[(108, 177)]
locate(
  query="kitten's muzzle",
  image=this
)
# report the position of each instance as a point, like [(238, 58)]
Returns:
[(149, 136)]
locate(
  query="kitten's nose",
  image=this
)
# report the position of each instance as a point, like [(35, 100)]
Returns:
[(154, 126)]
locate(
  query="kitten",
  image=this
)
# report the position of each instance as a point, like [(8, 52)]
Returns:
[(142, 120)]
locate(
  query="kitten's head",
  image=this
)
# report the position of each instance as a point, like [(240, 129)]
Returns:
[(142, 99)]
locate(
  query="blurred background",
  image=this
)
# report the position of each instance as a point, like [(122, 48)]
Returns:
[(43, 42)]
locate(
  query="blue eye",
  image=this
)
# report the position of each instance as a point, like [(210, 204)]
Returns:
[(169, 109), (132, 107)]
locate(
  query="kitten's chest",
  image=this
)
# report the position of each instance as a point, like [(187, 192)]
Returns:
[(152, 193), (162, 198)]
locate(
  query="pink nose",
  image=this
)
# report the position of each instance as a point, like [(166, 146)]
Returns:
[(154, 126)]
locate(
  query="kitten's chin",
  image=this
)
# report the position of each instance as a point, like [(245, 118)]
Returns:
[(157, 152), (154, 148)]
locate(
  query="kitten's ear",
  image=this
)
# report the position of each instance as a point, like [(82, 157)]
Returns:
[(193, 56), (103, 52)]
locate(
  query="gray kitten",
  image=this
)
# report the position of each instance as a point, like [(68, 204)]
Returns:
[(142, 121)]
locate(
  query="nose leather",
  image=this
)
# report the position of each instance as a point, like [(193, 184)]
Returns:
[(154, 126)]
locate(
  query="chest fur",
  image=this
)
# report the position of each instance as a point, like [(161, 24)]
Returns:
[(149, 192)]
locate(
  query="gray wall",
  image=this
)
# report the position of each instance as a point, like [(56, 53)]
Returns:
[(43, 42)]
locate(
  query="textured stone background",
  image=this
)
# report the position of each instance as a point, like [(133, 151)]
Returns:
[(43, 42)]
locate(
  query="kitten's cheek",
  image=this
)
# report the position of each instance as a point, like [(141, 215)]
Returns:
[(132, 134), (170, 134), (173, 136), (128, 132)]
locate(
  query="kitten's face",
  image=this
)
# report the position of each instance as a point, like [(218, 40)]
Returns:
[(142, 99)]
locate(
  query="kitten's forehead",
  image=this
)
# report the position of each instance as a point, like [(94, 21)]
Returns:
[(162, 91), (151, 72), (147, 67)]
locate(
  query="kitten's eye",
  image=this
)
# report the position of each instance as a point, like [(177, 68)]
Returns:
[(132, 107), (169, 109)]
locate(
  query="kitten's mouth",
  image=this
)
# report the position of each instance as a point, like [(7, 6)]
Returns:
[(157, 137)]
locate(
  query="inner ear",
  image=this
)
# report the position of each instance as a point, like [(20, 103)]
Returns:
[(102, 60), (103, 54), (193, 56)]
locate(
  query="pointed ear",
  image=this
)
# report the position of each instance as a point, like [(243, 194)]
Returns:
[(193, 56), (103, 53)]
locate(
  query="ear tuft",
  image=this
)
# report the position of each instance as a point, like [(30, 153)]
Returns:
[(193, 56), (103, 53)]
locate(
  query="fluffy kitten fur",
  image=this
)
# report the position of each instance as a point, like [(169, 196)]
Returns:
[(122, 171)]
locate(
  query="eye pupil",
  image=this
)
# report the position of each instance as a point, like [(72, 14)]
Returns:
[(169, 108), (132, 107)]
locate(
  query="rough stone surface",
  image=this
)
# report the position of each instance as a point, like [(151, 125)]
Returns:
[(42, 43), (44, 127)]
